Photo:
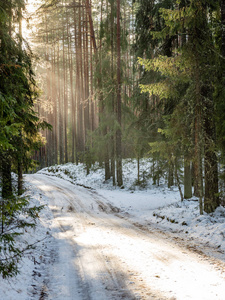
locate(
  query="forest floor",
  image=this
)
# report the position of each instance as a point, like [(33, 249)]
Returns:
[(100, 243)]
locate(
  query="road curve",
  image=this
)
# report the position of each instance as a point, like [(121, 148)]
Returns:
[(101, 255)]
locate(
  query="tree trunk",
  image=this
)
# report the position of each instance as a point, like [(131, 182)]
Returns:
[(112, 144), (198, 139), (92, 46), (65, 121), (60, 108), (49, 133), (20, 178), (187, 179), (178, 181), (81, 75), (86, 80), (118, 133), (6, 177), (171, 175), (223, 27), (72, 93), (103, 111), (54, 98), (138, 169), (20, 138), (211, 199)]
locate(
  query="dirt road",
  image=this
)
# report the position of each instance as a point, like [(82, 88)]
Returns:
[(99, 254)]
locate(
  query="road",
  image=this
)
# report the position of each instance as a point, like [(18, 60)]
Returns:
[(99, 254)]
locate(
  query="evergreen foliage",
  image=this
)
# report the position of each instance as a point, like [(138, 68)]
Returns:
[(143, 80), (19, 130), (189, 76), (16, 216)]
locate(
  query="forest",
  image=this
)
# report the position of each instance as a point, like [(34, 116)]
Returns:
[(90, 81), (134, 79)]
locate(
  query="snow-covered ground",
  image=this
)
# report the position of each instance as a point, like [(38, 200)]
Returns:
[(149, 204), (148, 208)]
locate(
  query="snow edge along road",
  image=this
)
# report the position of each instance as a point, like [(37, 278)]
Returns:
[(90, 206)]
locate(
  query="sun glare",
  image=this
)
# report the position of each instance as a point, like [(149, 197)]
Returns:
[(31, 7)]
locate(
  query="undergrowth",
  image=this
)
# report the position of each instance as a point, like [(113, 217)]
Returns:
[(16, 216)]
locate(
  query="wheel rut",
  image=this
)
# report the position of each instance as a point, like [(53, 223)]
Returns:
[(116, 258)]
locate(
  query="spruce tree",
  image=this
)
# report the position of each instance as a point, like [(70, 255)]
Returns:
[(17, 90), (194, 69)]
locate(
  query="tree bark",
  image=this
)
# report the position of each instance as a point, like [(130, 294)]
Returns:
[(198, 139), (6, 176), (211, 198), (178, 181), (65, 104), (171, 175), (223, 27), (187, 179), (118, 133), (88, 8), (60, 106), (54, 103), (20, 138)]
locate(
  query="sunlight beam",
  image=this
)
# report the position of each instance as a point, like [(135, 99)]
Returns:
[(27, 23)]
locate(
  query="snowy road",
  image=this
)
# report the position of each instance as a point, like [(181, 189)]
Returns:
[(100, 255)]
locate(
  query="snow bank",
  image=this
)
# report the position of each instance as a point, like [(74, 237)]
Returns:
[(146, 204), (30, 281), (149, 204)]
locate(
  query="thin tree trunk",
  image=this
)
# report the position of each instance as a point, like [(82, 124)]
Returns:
[(48, 98), (171, 175), (60, 107), (187, 179), (72, 96), (20, 142), (138, 167), (65, 121), (92, 46), (88, 8), (178, 182), (223, 27), (81, 74), (113, 138), (103, 111), (6, 176), (54, 97), (78, 113), (211, 199), (118, 133), (198, 141)]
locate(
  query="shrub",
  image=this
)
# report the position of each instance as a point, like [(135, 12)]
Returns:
[(15, 217)]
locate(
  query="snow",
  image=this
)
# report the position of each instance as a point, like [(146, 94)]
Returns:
[(23, 286), (150, 207), (151, 204)]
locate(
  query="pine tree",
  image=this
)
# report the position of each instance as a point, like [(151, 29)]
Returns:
[(18, 90), (19, 133), (195, 66)]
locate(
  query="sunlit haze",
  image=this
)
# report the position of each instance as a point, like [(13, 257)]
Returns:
[(31, 7)]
